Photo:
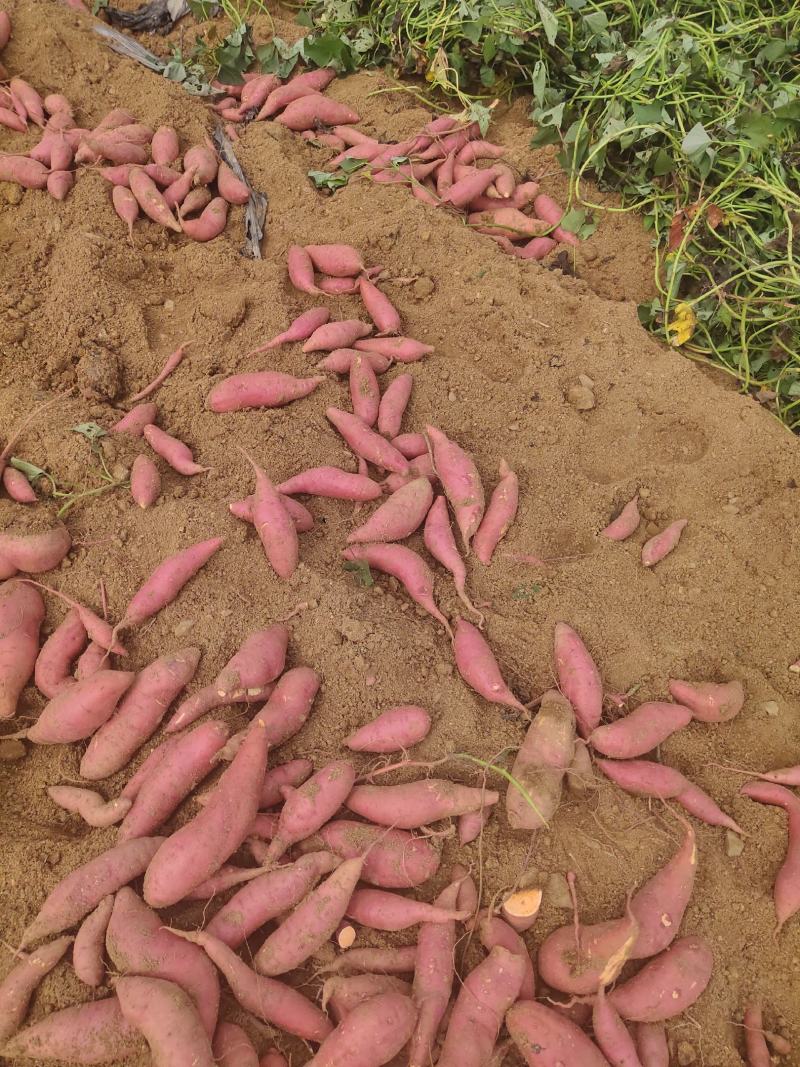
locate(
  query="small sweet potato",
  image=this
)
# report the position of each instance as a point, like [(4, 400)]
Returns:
[(667, 985), (21, 616), (393, 730)]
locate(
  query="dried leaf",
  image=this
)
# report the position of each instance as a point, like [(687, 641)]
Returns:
[(676, 230)]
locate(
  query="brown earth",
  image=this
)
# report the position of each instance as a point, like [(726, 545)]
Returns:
[(511, 338)]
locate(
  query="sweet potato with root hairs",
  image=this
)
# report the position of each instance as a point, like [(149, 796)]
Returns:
[(150, 199), (80, 709), (709, 701), (268, 895), (407, 567), (83, 889), (365, 442), (365, 393), (666, 986), (654, 550), (230, 187), (500, 514), (338, 261), (399, 516), (341, 995), (22, 981), (414, 804), (393, 730), (649, 779), (87, 952), (53, 668), (139, 715), (439, 541), (381, 960), (21, 617), (660, 903), (232, 1047), (433, 979), (167, 580), (548, 211), (175, 452), (340, 334), (258, 662), (340, 360), (578, 678), (210, 223), (299, 329), (460, 480), (305, 112), (18, 487), (98, 630), (494, 931), (625, 524), (402, 349), (541, 763), (228, 876), (786, 891), (486, 994), (611, 1033), (332, 482), (136, 419), (478, 667), (275, 528), (651, 1044), (311, 923), (755, 1043), (579, 961), (92, 808), (167, 1019), (393, 859), (546, 1038), (644, 729), (379, 308), (93, 659), (91, 1033), (139, 942), (33, 553), (371, 1035), (200, 847), (309, 806), (301, 270), (470, 826)]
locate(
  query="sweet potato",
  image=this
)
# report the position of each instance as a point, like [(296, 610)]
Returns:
[(401, 349), (23, 171), (138, 716), (274, 526), (92, 1033), (145, 482), (311, 805), (667, 985), (393, 859), (21, 983), (709, 701), (204, 160), (83, 889), (625, 524), (414, 804), (371, 1035), (399, 516), (299, 329), (611, 1034), (167, 1019), (460, 480), (471, 825), (433, 979), (337, 260), (506, 222), (332, 482), (546, 1038), (341, 995), (175, 194), (644, 729), (659, 546), (87, 952), (439, 541), (311, 923), (91, 806), (136, 419), (754, 1041), (478, 667), (379, 308), (98, 630), (165, 147), (578, 678), (21, 617), (499, 516), (541, 763), (407, 567), (210, 223), (365, 393), (340, 360), (660, 903), (5, 29), (273, 1058), (200, 847), (149, 197), (578, 961), (283, 95), (651, 1044), (549, 211), (340, 334), (365, 442), (300, 515), (307, 111), (33, 553), (269, 389), (80, 709), (494, 931), (393, 730), (243, 679), (175, 452), (138, 942), (52, 671), (787, 882), (301, 270), (293, 773), (393, 404), (487, 993), (167, 580), (289, 704), (172, 361), (18, 487), (230, 187), (380, 960), (92, 660), (232, 1047)]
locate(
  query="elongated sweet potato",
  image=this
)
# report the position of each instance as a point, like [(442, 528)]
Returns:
[(167, 1019), (92, 1033), (546, 1038), (667, 985), (21, 982), (541, 763), (393, 859), (21, 616), (415, 804), (371, 1035)]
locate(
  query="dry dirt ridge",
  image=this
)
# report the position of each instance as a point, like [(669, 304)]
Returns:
[(511, 338)]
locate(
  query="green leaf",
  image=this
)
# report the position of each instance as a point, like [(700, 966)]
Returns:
[(488, 76), (350, 166), (303, 18), (696, 141), (645, 114), (323, 179), (596, 21), (360, 568), (90, 430), (539, 81), (328, 50), (549, 21), (662, 163), (30, 470), (545, 135), (481, 114)]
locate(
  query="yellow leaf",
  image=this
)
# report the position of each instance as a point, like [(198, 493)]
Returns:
[(682, 325)]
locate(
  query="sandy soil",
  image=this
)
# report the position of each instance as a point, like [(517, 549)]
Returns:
[(511, 339)]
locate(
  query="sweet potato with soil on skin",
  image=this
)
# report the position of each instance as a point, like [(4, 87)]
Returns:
[(365, 442), (301, 270), (541, 763), (258, 662), (422, 467), (460, 480), (666, 986), (200, 847), (165, 147), (293, 773), (27, 100), (309, 806), (393, 730), (167, 580), (644, 729), (22, 981), (786, 891), (299, 329), (393, 859), (365, 393), (289, 704), (441, 544), (204, 160), (230, 187), (478, 667), (23, 171), (654, 550), (379, 308), (393, 404), (580, 773), (82, 890), (412, 805), (274, 526), (407, 567), (33, 553), (268, 895), (433, 979), (92, 808), (599, 955), (507, 222), (139, 715), (307, 111), (91, 1033), (578, 678), (18, 487), (136, 419), (151, 201), (21, 617), (341, 995), (87, 952), (709, 701), (341, 360), (53, 668), (194, 202), (210, 223), (332, 482), (311, 923), (176, 193), (488, 991), (399, 516), (371, 1035), (494, 931), (167, 1019), (337, 260), (401, 349), (625, 524), (611, 1033), (546, 1038), (80, 709), (59, 183), (649, 779), (500, 514), (340, 334), (139, 942), (176, 453), (660, 903), (380, 960), (232, 1047), (299, 514), (145, 482), (651, 1044)]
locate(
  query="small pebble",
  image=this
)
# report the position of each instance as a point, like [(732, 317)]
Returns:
[(734, 846), (771, 707), (12, 749), (183, 627), (556, 891), (686, 1053), (452, 396), (581, 397), (584, 379)]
